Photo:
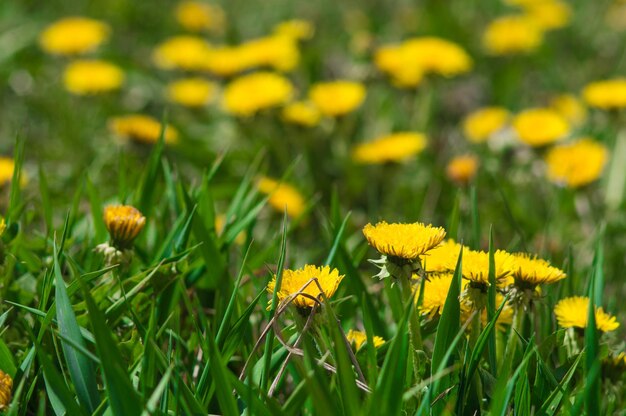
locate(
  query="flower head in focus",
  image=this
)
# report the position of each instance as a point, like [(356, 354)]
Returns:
[(530, 271), (475, 266), (404, 241), (6, 387), (294, 280), (572, 312), (442, 258), (124, 223)]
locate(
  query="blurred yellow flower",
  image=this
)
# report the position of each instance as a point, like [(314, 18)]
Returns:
[(529, 271), (182, 52), (337, 98), (3, 225), (475, 266), (359, 338), (84, 77), (405, 241), (192, 92), (293, 281), (141, 128), (395, 147), (297, 29), (480, 125), (73, 35), (570, 107), (540, 126), (438, 56), (462, 169), (606, 95), (254, 92), (572, 312), (401, 66), (124, 223), (548, 15), (197, 16), (277, 52), (7, 166), (220, 224), (282, 196), (442, 258), (6, 387), (576, 164), (302, 113), (408, 61), (509, 35)]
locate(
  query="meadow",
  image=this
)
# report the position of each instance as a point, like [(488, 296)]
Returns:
[(312, 207)]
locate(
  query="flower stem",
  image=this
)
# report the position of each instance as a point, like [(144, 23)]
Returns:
[(511, 344), (414, 323)]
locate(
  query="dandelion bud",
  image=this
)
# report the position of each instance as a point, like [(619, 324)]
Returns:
[(124, 223)]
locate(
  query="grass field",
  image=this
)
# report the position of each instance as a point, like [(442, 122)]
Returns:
[(312, 207)]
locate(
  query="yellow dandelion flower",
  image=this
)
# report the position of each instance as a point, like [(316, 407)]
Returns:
[(192, 92), (548, 15), (438, 56), (359, 338), (198, 16), (576, 164), (302, 113), (6, 387), (570, 107), (85, 77), (220, 224), (251, 93), (182, 52), (531, 271), (406, 241), (337, 98), (475, 266), (572, 313), (73, 35), (141, 128), (282, 196), (462, 169), (124, 223), (442, 258), (293, 281), (606, 95), (297, 29), (401, 66), (395, 147), (509, 35), (480, 125), (540, 126), (278, 52), (7, 166), (435, 293)]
